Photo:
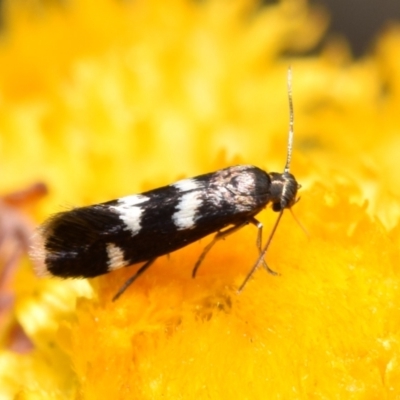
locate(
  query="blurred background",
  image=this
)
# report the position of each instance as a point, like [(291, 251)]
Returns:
[(102, 99), (360, 22)]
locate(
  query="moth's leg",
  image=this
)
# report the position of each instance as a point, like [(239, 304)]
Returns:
[(259, 226), (219, 236), (262, 254), (133, 278)]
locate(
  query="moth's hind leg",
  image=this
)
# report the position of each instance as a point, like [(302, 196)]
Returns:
[(133, 278), (223, 234), (219, 236)]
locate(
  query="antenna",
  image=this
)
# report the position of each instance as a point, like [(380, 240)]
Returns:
[(291, 121), (288, 181)]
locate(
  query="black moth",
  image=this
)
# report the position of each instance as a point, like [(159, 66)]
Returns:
[(90, 241)]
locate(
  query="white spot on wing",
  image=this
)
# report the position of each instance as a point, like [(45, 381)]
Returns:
[(187, 209), (187, 184), (130, 213), (133, 200), (116, 257)]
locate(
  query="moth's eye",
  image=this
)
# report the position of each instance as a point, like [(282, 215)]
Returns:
[(276, 207)]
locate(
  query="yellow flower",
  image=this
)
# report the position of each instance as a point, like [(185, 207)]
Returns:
[(104, 99)]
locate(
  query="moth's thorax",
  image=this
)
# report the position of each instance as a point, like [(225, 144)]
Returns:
[(244, 186), (283, 190)]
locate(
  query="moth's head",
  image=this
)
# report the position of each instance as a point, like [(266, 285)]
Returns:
[(283, 190)]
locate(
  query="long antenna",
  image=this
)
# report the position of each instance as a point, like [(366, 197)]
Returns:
[(291, 121), (286, 171)]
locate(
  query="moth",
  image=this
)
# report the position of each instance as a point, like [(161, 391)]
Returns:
[(90, 241)]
